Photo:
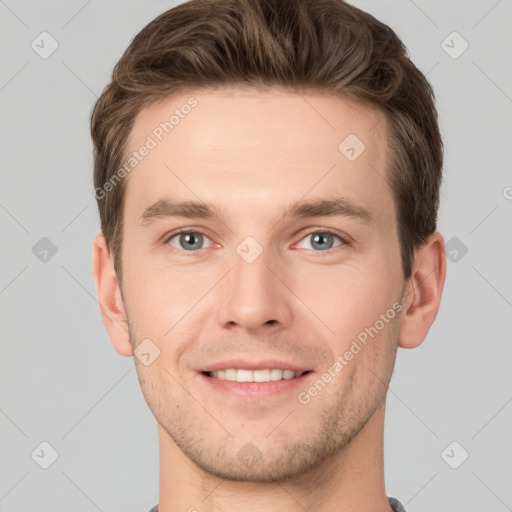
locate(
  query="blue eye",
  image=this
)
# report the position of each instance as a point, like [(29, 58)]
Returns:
[(192, 241), (323, 240), (188, 240)]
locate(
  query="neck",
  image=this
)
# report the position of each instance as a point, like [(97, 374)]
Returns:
[(350, 480)]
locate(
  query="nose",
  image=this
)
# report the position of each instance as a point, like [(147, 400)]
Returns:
[(253, 296)]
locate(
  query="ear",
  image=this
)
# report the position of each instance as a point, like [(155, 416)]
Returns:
[(423, 292), (109, 297)]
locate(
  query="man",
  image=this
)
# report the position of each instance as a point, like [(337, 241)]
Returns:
[(267, 176)]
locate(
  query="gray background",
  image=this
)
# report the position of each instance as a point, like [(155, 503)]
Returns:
[(62, 382)]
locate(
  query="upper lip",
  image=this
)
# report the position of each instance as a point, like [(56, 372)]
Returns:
[(244, 364)]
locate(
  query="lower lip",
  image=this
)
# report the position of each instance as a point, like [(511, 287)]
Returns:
[(257, 390)]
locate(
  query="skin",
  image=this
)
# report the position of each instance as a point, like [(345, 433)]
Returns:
[(250, 154)]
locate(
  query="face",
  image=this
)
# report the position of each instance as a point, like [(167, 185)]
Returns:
[(261, 264)]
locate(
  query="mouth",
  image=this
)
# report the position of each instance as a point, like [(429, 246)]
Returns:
[(260, 375), (262, 380)]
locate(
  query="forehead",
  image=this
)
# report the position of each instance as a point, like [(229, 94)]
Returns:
[(256, 147)]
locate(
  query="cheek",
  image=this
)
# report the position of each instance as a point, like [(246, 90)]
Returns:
[(164, 300), (348, 297), (154, 301)]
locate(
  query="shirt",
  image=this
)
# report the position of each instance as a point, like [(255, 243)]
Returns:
[(395, 504)]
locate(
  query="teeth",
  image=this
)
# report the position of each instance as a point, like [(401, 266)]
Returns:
[(261, 375), (276, 374), (244, 376), (230, 375), (288, 374), (266, 375)]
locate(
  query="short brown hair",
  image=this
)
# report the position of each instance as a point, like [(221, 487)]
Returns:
[(325, 46)]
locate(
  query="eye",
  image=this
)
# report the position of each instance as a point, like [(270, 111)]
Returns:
[(192, 241), (187, 240), (323, 240)]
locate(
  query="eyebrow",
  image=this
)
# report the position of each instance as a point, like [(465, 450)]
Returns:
[(337, 206)]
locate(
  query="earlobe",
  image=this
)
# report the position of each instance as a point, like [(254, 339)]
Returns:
[(109, 297), (423, 293)]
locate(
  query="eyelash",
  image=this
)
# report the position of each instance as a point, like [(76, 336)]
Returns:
[(343, 239)]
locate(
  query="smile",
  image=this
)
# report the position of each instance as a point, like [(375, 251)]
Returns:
[(263, 375)]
